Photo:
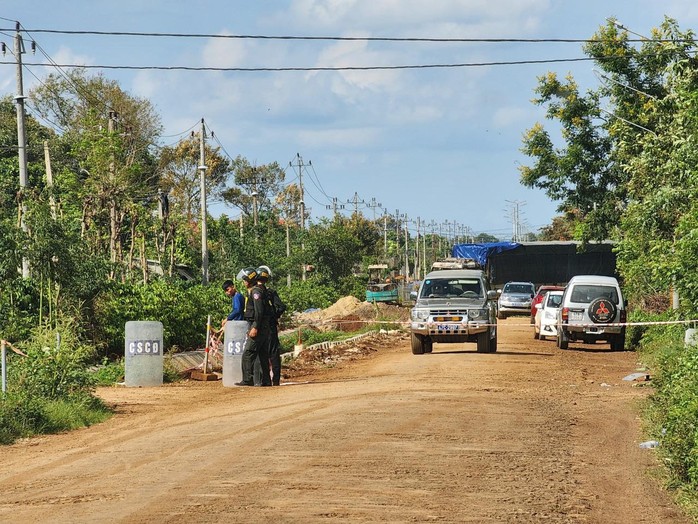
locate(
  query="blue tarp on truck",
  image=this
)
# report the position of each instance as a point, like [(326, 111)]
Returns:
[(482, 252), (540, 262)]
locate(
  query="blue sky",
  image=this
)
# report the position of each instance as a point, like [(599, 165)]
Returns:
[(441, 144)]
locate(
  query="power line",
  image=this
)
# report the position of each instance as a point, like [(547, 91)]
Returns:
[(338, 38), (317, 68)]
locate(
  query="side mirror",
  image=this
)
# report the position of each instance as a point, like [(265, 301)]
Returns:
[(538, 306), (492, 294), (413, 295)]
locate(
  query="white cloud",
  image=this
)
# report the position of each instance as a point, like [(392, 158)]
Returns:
[(224, 52), (339, 138), (406, 15), (65, 55)]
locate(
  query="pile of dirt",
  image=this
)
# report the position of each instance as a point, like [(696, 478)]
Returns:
[(348, 314), (351, 314)]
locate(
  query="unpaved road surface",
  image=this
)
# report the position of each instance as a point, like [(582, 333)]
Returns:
[(529, 434)]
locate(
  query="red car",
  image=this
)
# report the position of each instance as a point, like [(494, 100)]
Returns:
[(539, 298)]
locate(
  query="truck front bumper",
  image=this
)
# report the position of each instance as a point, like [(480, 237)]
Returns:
[(455, 329)]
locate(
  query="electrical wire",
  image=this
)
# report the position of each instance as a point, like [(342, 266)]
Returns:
[(454, 65), (335, 38)]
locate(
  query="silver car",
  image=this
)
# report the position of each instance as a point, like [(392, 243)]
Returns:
[(515, 299)]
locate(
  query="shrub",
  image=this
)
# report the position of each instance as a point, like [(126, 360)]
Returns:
[(182, 308), (672, 413), (55, 366)]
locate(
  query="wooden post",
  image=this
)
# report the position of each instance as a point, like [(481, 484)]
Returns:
[(204, 374)]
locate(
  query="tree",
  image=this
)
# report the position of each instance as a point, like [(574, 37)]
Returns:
[(257, 186), (629, 174), (180, 177), (582, 176), (111, 135)]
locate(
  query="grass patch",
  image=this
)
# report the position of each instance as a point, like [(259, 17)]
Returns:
[(22, 416)]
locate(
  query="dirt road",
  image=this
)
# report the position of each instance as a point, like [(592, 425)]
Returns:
[(529, 434)]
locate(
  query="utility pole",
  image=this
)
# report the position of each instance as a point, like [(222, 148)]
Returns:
[(301, 165), (397, 235), (417, 256), (204, 211), (517, 233), (407, 253), (21, 143), (356, 201), (373, 205), (335, 207), (113, 222), (385, 234)]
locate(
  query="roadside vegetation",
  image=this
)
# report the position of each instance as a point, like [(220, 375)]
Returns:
[(627, 171)]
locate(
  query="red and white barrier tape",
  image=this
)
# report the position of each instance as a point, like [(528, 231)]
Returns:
[(527, 324)]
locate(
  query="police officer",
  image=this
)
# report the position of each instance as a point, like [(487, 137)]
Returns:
[(256, 343), (277, 308)]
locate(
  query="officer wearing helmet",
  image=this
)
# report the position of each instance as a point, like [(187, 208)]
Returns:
[(277, 308), (257, 341)]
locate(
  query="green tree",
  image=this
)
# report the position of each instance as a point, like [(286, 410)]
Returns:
[(256, 187), (180, 177), (111, 136)]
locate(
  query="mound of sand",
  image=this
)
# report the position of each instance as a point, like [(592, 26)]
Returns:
[(350, 313)]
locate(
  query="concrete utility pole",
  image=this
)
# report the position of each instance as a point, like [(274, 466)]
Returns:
[(335, 206), (517, 229), (407, 253), (113, 222), (356, 201), (385, 234), (417, 256), (373, 204), (21, 143), (301, 165), (204, 211)]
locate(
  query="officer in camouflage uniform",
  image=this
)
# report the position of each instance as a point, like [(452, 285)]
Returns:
[(257, 315)]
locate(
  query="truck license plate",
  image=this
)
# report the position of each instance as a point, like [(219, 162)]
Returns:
[(447, 327)]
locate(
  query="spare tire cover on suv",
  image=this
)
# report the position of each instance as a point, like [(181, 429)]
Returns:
[(602, 311)]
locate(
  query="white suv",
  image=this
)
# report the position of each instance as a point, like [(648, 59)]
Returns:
[(592, 309)]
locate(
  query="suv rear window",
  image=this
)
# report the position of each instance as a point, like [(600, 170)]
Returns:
[(583, 293)]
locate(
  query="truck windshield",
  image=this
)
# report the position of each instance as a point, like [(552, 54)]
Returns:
[(452, 287)]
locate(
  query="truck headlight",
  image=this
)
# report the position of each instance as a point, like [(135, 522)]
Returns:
[(478, 314), (419, 314)]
